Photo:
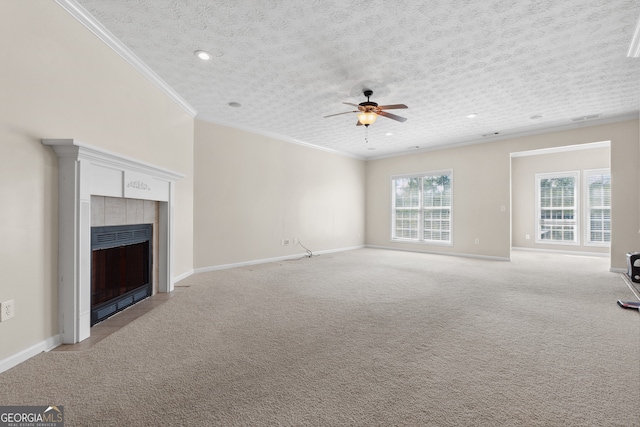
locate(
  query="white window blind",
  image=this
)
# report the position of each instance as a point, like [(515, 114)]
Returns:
[(557, 218), (422, 207), (598, 207)]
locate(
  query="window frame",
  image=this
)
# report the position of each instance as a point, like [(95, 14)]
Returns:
[(587, 207), (421, 209), (576, 207)]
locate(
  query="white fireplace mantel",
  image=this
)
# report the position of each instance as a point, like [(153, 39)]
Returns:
[(84, 171)]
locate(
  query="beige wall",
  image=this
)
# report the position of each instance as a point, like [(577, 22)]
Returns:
[(523, 182), (477, 213), (252, 191), (59, 81)]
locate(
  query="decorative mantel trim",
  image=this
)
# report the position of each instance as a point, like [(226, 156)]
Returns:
[(84, 171), (75, 148)]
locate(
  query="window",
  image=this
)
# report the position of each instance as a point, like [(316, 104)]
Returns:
[(557, 213), (598, 207), (422, 207)]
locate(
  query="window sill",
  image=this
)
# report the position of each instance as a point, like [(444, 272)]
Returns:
[(422, 242), (552, 242)]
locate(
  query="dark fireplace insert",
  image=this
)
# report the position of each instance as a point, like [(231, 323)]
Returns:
[(121, 259)]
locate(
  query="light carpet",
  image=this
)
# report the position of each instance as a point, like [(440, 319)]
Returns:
[(362, 338)]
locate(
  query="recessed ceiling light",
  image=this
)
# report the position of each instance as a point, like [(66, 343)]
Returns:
[(472, 115), (537, 117), (205, 56), (388, 134), (235, 104)]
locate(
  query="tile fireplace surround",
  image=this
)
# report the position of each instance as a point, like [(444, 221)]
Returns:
[(85, 171)]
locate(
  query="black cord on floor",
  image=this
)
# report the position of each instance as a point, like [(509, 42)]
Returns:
[(309, 253)]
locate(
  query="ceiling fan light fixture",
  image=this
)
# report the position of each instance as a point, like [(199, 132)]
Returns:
[(367, 118)]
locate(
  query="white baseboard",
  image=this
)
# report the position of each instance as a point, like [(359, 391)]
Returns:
[(26, 354), (183, 276), (266, 260), (556, 251), (631, 286), (462, 255)]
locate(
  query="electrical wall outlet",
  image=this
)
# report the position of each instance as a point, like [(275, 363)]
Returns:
[(477, 241), (527, 236), (6, 310), (286, 242)]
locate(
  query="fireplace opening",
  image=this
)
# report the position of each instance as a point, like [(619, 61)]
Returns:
[(121, 261)]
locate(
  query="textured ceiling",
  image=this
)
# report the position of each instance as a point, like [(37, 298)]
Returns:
[(291, 62)]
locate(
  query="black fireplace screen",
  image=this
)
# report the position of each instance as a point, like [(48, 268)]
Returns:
[(120, 268)]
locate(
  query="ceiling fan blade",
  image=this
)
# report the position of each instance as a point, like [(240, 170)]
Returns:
[(392, 106), (353, 105), (338, 114), (358, 124), (393, 116)]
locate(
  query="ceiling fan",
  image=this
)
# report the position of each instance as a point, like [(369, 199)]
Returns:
[(369, 111)]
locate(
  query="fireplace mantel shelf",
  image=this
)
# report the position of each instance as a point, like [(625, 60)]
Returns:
[(76, 149)]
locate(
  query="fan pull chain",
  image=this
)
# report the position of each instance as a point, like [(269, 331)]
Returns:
[(366, 134)]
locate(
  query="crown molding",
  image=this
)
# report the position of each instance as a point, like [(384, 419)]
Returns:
[(86, 19), (279, 137), (540, 131)]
